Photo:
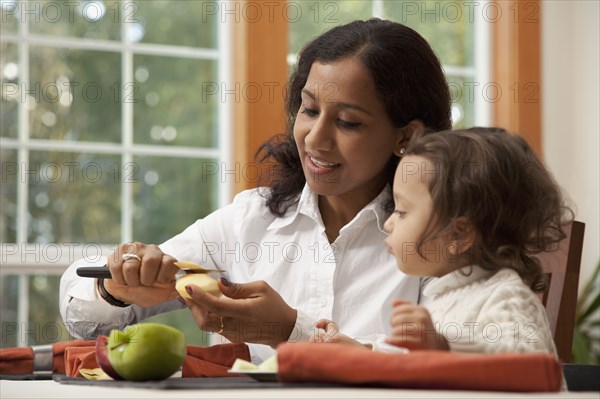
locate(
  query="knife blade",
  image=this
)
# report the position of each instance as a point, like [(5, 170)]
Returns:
[(104, 272)]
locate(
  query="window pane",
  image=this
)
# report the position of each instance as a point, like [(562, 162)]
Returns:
[(447, 26), (462, 93), (45, 325), (8, 196), (74, 197), (178, 22), (93, 19), (9, 16), (9, 61), (9, 294), (309, 19), (75, 95), (171, 193), (173, 106)]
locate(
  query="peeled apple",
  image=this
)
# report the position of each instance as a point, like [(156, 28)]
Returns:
[(202, 281)]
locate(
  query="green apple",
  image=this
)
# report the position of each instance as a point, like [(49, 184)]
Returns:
[(142, 352)]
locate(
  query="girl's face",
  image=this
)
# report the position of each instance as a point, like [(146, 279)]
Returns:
[(343, 134), (413, 210)]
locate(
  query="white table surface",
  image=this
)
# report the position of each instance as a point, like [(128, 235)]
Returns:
[(52, 389)]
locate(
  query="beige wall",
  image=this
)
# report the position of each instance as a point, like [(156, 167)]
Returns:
[(570, 110)]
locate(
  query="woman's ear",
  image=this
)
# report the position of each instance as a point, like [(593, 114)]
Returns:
[(414, 128)]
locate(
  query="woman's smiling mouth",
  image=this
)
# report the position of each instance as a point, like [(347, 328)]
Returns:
[(320, 166)]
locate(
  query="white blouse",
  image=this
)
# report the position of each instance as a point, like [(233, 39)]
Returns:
[(351, 281)]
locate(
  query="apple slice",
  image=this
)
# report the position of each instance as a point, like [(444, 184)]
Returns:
[(94, 374), (269, 365), (241, 365)]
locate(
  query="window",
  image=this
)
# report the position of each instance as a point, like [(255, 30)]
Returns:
[(456, 31), (105, 138)]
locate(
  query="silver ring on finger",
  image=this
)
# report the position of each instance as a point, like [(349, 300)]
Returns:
[(130, 256)]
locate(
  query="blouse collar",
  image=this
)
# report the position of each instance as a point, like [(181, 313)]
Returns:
[(308, 205)]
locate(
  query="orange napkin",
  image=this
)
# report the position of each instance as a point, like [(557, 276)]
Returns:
[(79, 358), (213, 361), (70, 357), (20, 360), (303, 362), (201, 361)]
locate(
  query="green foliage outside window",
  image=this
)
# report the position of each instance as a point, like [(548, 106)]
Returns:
[(447, 26)]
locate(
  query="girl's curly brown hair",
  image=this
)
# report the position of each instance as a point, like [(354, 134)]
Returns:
[(494, 180)]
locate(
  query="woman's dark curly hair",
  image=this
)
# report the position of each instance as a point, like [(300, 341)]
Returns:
[(408, 79), (493, 180)]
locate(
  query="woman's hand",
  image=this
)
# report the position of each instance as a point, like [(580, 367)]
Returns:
[(413, 328), (252, 312), (332, 335), (146, 283)]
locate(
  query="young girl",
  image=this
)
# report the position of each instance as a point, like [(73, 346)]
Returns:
[(472, 208)]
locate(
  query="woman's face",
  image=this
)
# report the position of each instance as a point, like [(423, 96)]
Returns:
[(344, 136)]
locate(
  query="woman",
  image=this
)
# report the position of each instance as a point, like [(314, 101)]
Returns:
[(310, 245)]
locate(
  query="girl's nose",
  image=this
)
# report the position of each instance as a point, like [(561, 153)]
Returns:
[(389, 224)]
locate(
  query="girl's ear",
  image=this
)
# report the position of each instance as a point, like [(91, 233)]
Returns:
[(406, 133), (463, 236)]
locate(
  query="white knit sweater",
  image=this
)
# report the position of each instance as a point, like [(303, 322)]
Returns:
[(487, 312)]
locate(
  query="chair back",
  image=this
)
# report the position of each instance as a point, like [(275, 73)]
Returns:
[(560, 297)]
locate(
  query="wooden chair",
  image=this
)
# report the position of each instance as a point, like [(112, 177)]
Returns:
[(560, 298)]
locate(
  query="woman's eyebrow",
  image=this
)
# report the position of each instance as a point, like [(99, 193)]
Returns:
[(352, 106), (309, 93), (337, 104)]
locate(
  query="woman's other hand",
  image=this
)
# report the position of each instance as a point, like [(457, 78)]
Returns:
[(412, 328), (252, 312), (145, 282)]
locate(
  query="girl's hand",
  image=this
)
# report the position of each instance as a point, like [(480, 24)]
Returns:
[(146, 283), (413, 328), (252, 312), (332, 335)]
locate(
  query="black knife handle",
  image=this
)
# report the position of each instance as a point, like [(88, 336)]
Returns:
[(94, 272)]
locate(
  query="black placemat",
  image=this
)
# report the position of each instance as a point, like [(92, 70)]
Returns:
[(582, 377), (26, 377), (191, 383)]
